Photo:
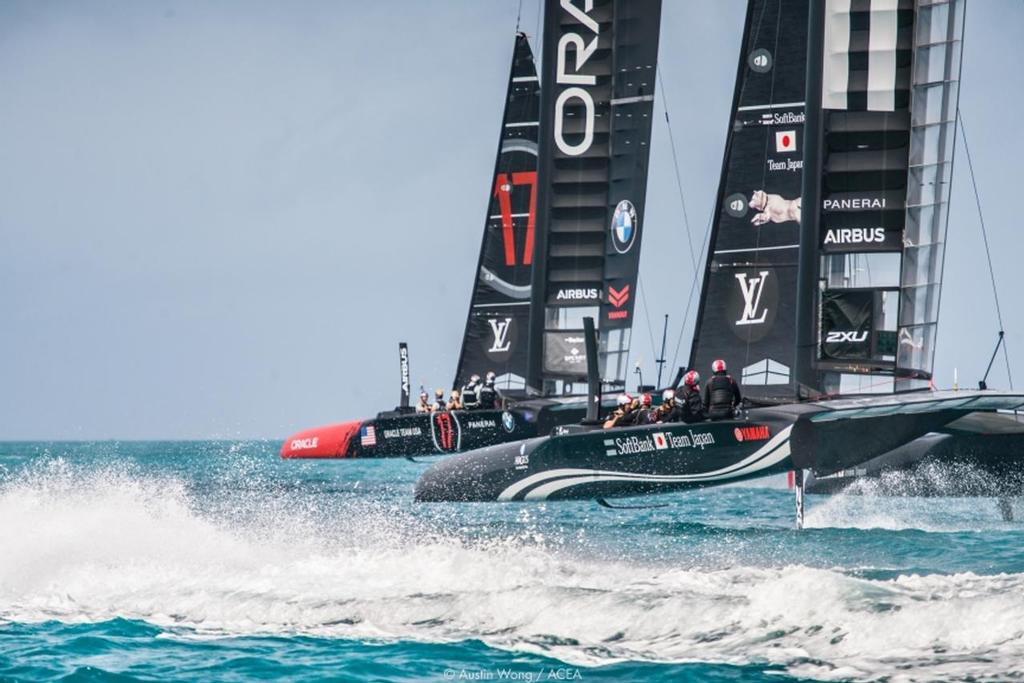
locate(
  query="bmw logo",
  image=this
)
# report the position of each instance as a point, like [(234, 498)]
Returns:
[(624, 226), (508, 422)]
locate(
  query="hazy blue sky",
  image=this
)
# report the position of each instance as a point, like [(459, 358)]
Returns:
[(217, 219)]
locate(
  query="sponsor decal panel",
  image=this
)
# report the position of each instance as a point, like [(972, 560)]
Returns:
[(367, 436), (488, 423), (657, 441), (446, 431), (846, 337), (500, 327), (305, 444), (752, 288), (401, 432), (854, 236), (578, 294), (752, 433), (508, 422), (854, 204), (625, 227)]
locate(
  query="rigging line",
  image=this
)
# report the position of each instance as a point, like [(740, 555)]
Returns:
[(647, 314), (693, 289), (519, 15), (984, 235), (675, 163), (540, 7)]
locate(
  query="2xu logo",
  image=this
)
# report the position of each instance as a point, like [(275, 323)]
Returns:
[(852, 337), (582, 51)]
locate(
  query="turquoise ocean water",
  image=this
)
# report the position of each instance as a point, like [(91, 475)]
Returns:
[(216, 561)]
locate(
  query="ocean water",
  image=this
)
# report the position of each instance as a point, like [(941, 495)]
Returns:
[(217, 561)]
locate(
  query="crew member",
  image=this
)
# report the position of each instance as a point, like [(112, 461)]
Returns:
[(665, 412), (622, 412), (455, 400), (439, 402), (423, 405), (470, 398), (721, 394), (487, 396), (689, 405), (645, 415)]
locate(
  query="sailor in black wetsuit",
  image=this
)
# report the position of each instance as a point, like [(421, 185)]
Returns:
[(624, 414), (470, 393), (440, 405), (690, 406), (645, 415), (721, 394), (423, 406), (664, 412), (487, 396)]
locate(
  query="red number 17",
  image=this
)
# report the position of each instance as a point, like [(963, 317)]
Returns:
[(503, 191)]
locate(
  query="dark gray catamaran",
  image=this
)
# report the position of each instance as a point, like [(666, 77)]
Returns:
[(561, 241), (829, 316)]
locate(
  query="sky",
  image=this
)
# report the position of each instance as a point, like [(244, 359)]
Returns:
[(218, 219)]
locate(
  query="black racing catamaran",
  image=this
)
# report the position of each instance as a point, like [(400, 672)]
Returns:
[(561, 242), (846, 107)]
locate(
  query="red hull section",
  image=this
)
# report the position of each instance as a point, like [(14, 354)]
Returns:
[(322, 442)]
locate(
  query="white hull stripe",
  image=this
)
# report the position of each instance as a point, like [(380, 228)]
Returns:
[(542, 492), (782, 438)]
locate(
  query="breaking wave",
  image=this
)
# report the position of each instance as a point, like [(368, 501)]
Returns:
[(103, 544)]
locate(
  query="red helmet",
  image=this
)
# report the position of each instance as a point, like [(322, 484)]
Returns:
[(718, 366), (692, 378), (646, 400)]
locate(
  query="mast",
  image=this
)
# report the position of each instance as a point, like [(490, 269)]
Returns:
[(807, 268)]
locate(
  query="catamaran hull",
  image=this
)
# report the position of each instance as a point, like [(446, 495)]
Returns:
[(827, 438), (394, 435), (612, 463), (980, 454)]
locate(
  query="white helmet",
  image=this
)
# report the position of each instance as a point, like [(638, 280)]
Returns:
[(667, 395), (624, 400)]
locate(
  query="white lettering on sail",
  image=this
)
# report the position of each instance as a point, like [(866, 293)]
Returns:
[(839, 337), (854, 204), (752, 290), (855, 235), (583, 51), (500, 328)]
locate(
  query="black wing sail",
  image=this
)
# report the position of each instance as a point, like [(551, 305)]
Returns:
[(747, 314), (496, 327), (600, 61)]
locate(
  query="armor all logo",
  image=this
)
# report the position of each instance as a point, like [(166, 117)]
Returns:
[(752, 290), (581, 52), (500, 328), (446, 432)]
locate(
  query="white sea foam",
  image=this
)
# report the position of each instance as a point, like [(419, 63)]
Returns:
[(90, 547)]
